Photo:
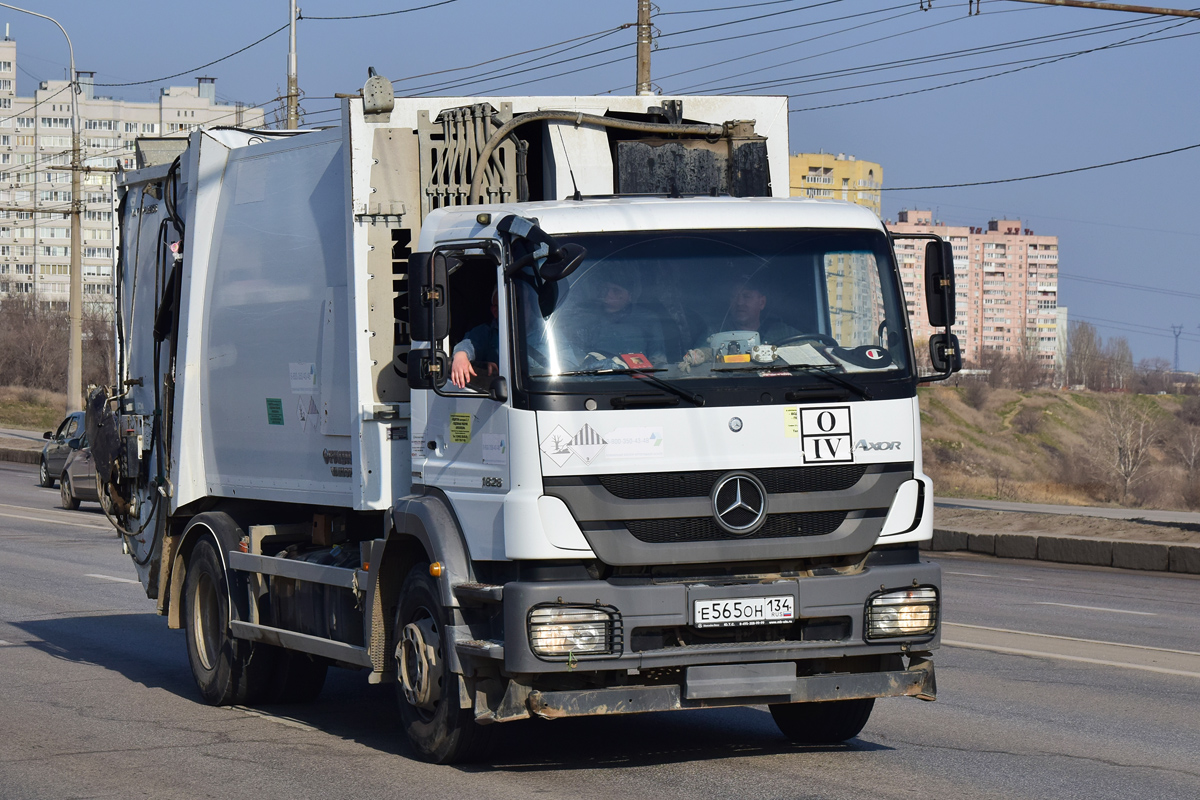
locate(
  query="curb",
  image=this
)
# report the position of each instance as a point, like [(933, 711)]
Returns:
[(20, 456), (1154, 556)]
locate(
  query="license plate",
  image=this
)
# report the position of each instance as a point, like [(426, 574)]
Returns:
[(743, 611)]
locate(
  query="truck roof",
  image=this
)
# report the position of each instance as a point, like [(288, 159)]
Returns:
[(598, 215)]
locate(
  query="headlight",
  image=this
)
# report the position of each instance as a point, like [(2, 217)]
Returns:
[(907, 612), (560, 631)]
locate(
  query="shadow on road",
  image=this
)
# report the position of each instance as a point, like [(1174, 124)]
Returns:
[(142, 649)]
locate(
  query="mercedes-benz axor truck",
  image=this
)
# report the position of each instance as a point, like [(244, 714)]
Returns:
[(530, 406)]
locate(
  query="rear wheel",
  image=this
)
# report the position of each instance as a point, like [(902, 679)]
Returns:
[(832, 722), (439, 729), (228, 671), (67, 498), (44, 479)]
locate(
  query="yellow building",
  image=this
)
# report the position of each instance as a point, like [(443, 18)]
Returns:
[(836, 177)]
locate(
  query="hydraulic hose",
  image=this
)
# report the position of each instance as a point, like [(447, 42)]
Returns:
[(578, 118)]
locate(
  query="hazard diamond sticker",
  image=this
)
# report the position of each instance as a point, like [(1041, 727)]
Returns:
[(557, 445), (587, 444)]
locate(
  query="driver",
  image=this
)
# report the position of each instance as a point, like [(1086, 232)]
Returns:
[(481, 344)]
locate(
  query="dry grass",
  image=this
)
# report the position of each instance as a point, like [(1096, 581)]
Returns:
[(31, 409), (1032, 447)]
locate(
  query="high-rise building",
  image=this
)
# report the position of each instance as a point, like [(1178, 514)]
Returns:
[(35, 173), (836, 177), (1006, 281)]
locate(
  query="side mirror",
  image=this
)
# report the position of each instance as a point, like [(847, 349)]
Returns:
[(75, 444), (47, 435), (498, 390), (939, 284), (944, 353), (427, 369), (427, 281), (562, 262)]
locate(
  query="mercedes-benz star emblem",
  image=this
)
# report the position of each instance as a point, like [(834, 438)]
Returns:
[(735, 424), (739, 503)]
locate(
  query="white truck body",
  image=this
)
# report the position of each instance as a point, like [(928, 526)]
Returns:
[(275, 399)]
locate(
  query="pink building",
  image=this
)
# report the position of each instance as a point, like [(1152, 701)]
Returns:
[(1006, 281)]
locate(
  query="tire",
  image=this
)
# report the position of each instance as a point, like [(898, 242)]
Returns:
[(228, 671), (67, 498), (44, 479), (298, 678), (832, 722), (440, 732)]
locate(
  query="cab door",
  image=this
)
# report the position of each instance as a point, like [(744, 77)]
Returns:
[(464, 436)]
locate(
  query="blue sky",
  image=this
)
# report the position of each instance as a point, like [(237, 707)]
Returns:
[(1129, 224)]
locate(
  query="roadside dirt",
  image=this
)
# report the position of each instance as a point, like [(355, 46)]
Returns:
[(973, 521)]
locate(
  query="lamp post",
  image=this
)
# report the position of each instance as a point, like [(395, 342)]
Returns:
[(75, 357)]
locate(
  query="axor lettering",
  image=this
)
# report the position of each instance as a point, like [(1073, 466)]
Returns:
[(864, 445)]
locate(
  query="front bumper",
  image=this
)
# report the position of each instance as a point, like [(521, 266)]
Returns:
[(664, 606)]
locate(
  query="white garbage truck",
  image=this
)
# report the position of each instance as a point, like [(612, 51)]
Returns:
[(534, 406)]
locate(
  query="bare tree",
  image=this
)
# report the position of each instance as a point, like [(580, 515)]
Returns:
[(1185, 443), (1153, 375), (1084, 357), (1024, 368), (1118, 360), (1129, 429)]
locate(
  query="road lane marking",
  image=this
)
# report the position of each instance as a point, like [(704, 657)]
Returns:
[(1098, 608), (285, 721), (1063, 657), (4, 643), (983, 575), (55, 521), (1069, 638), (111, 578)]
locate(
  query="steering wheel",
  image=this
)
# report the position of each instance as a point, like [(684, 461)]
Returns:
[(821, 338), (597, 360)]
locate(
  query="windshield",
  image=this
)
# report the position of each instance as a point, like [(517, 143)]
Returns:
[(714, 306)]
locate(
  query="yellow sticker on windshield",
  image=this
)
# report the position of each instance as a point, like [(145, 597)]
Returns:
[(791, 423)]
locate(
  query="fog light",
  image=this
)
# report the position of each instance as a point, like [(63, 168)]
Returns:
[(907, 612), (561, 631)]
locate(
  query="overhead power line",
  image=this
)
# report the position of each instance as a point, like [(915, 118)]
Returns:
[(1045, 174), (1134, 286), (202, 66), (382, 13), (724, 8)]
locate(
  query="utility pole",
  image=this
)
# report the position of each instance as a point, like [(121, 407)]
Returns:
[(643, 48), (75, 345), (293, 88), (1165, 12), (1177, 329)]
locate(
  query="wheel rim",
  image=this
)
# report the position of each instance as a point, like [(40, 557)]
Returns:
[(205, 630), (64, 491), (45, 474), (418, 663)]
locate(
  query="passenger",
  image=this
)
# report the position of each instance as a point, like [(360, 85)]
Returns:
[(615, 325), (481, 345)]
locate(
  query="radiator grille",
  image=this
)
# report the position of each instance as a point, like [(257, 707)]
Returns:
[(705, 529), (782, 480)]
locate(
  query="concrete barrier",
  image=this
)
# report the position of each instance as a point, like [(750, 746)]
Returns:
[(1140, 555), (1153, 556), (20, 456)]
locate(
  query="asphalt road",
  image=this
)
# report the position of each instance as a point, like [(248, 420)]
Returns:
[(1055, 682)]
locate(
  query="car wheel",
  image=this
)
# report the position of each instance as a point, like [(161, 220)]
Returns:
[(66, 497), (830, 722), (439, 729), (44, 479)]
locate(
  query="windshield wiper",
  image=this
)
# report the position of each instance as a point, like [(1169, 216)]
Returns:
[(826, 371), (648, 374)]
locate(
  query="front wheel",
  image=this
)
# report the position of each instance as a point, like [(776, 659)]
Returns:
[(440, 730), (67, 498), (44, 479), (831, 722)]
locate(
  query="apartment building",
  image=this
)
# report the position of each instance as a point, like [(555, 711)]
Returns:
[(1006, 281), (35, 173), (836, 177)]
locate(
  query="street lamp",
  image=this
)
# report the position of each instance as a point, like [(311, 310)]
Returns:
[(75, 357)]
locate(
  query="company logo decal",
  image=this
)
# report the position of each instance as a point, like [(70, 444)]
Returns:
[(864, 445), (739, 503)]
